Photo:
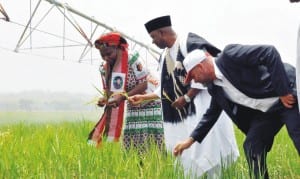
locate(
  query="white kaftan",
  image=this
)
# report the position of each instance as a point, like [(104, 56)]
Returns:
[(218, 146)]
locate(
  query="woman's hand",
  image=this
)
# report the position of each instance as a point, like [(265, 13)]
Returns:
[(115, 100), (136, 99), (102, 102)]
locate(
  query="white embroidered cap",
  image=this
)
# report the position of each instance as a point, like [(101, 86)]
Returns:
[(191, 60)]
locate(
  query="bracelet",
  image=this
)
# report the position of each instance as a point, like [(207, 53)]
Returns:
[(187, 98)]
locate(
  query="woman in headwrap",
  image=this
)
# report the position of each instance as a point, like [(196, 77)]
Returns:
[(121, 78)]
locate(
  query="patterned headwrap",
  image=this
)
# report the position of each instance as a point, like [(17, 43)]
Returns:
[(110, 39)]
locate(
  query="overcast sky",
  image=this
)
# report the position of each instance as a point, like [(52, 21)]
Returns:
[(219, 21)]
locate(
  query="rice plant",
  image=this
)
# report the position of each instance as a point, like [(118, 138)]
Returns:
[(59, 150)]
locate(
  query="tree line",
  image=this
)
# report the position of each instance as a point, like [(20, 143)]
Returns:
[(45, 101)]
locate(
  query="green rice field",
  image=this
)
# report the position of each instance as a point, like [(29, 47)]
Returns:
[(53, 145)]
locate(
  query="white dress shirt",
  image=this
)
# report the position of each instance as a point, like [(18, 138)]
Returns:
[(240, 98)]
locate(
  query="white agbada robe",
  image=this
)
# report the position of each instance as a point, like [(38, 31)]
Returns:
[(218, 146)]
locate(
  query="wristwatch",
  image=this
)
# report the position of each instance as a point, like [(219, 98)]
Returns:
[(187, 98)]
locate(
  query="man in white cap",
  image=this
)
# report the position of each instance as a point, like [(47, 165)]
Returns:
[(183, 104), (252, 85)]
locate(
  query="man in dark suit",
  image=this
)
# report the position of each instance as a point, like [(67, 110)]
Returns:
[(253, 86)]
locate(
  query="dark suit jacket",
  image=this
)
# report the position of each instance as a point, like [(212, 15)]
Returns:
[(258, 72)]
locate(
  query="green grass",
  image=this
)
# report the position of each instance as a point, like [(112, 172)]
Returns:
[(59, 150), (56, 148), (283, 159)]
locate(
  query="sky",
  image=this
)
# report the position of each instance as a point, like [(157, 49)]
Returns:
[(221, 22)]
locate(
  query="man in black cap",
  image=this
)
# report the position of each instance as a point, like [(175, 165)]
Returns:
[(183, 104)]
